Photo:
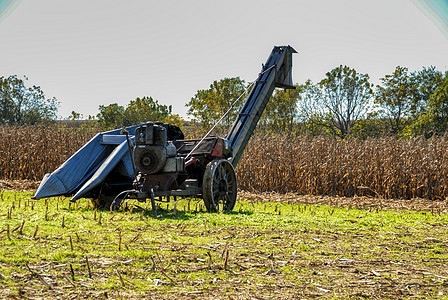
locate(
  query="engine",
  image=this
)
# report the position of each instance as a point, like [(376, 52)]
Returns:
[(153, 153)]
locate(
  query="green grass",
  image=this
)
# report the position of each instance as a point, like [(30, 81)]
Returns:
[(261, 249)]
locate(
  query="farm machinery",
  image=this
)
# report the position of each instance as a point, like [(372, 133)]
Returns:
[(154, 161)]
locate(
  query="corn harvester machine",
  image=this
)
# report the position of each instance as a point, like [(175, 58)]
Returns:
[(154, 161)]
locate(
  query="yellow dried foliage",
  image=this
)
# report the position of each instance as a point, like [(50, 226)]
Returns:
[(28, 152), (380, 167)]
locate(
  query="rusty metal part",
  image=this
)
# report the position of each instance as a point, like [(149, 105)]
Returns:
[(219, 186)]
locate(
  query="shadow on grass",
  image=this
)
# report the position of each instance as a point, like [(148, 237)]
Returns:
[(163, 214), (185, 212)]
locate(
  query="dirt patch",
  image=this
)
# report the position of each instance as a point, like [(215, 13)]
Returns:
[(361, 202), (19, 185)]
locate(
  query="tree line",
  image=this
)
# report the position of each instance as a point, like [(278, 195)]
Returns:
[(20, 104), (344, 103), (24, 105), (137, 111)]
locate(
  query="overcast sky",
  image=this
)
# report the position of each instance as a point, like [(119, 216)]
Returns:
[(88, 53)]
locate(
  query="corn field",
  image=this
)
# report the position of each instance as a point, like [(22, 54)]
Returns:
[(381, 167), (28, 152)]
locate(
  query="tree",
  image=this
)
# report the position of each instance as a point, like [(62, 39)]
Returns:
[(435, 119), (438, 103), (208, 106), (337, 101), (311, 113), (175, 119), (140, 110), (20, 104), (145, 109), (425, 81), (397, 98), (429, 108), (281, 112), (111, 116)]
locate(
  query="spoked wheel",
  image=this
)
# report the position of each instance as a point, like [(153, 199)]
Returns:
[(219, 186)]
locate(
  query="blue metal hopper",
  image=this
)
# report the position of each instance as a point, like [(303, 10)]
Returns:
[(89, 167)]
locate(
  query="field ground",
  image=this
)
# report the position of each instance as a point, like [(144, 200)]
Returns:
[(271, 246)]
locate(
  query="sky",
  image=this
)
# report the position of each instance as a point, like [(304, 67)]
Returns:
[(89, 53)]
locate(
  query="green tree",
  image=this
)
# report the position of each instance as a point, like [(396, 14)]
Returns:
[(145, 109), (428, 113), (140, 110), (111, 116), (208, 106), (20, 104), (281, 112), (337, 102), (397, 99), (435, 119), (438, 103), (425, 81), (372, 126)]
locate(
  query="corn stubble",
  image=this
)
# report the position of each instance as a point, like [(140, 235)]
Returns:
[(381, 167)]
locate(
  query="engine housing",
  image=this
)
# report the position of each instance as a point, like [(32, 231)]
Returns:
[(150, 151)]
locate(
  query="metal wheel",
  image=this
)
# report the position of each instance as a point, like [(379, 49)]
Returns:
[(219, 186)]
